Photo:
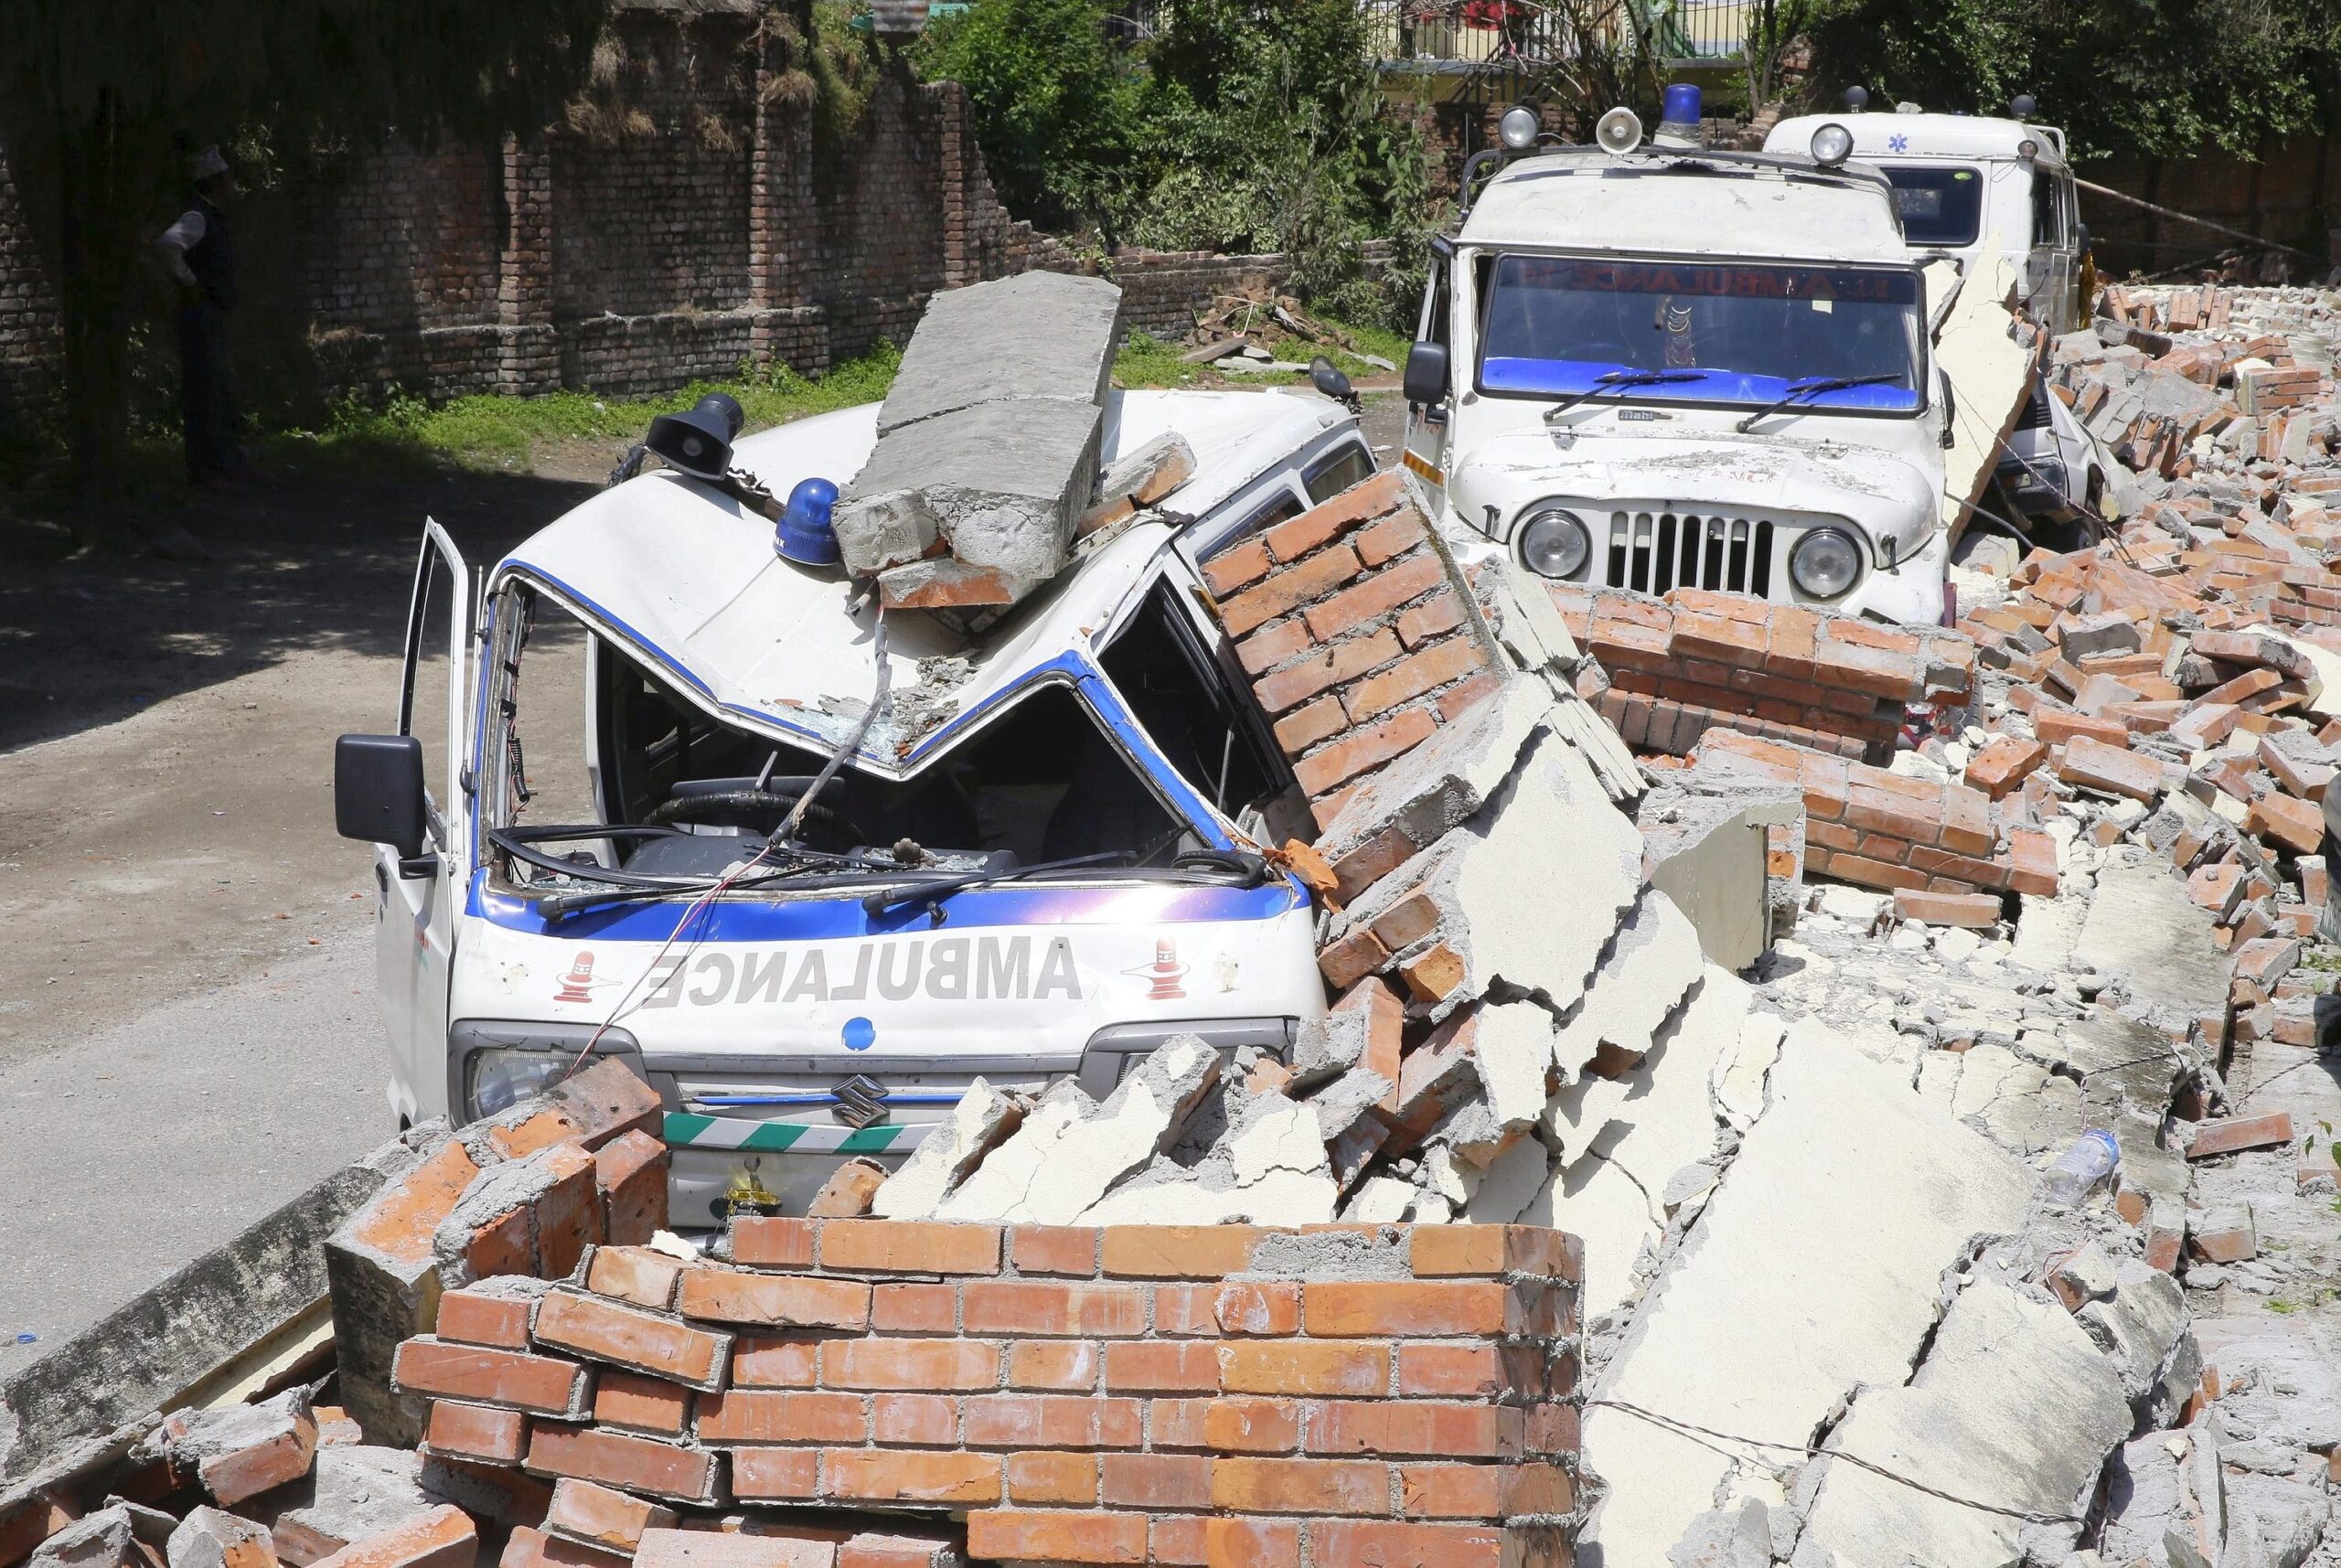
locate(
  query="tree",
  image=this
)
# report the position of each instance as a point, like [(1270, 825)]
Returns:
[(98, 98), (2166, 77)]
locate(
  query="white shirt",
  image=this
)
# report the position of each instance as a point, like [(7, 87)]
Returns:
[(178, 240)]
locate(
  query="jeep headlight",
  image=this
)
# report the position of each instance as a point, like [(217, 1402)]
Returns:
[(497, 1065), (1553, 542), (1826, 562)]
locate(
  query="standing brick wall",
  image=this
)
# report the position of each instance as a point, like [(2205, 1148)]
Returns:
[(28, 321), (1231, 1395)]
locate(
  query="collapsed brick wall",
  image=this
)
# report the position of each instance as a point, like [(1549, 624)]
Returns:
[(1697, 660), (1229, 1396)]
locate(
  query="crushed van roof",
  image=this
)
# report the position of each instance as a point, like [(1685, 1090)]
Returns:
[(1679, 204), (687, 579)]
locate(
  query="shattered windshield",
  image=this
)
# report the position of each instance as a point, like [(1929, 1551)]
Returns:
[(1728, 334)]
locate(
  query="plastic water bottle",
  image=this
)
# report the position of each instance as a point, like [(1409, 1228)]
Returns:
[(2079, 1169)]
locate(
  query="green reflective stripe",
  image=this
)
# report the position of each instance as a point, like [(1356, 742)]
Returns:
[(771, 1137), (870, 1140), (686, 1129)]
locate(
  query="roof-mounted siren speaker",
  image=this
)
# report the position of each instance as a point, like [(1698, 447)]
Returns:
[(699, 440), (1856, 99), (2022, 106), (1619, 130), (1678, 117)]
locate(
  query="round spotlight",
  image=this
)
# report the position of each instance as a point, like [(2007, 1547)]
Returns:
[(1518, 128), (1831, 145), (1619, 130), (2028, 149), (1554, 543), (1825, 563)]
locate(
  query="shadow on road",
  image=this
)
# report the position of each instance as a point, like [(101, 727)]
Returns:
[(318, 556)]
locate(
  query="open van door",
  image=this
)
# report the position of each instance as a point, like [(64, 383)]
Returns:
[(421, 896), (1424, 448)]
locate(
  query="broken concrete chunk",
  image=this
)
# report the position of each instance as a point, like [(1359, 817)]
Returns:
[(590, 1109), (2164, 1502), (849, 1191), (982, 1119), (1037, 335), (1146, 475), (209, 1538), (536, 1214), (383, 1275), (1137, 1121), (442, 1538), (101, 1540), (1444, 781), (357, 1491), (1004, 1179), (1653, 960)]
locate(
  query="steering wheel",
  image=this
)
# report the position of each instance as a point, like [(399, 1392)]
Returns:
[(750, 808)]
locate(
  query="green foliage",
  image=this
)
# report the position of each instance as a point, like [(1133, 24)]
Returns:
[(485, 428), (2164, 76), (1145, 361), (1246, 126)]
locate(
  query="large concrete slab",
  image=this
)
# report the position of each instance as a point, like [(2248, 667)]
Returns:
[(2142, 928), (1816, 1268), (1036, 334), (2013, 1409)]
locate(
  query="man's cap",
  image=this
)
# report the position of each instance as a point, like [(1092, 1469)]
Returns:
[(206, 164)]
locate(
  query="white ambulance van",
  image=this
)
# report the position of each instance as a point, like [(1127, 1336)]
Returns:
[(1039, 858)]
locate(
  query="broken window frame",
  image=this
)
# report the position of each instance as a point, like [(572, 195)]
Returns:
[(510, 604)]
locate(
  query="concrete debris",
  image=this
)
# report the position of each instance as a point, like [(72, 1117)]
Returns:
[(241, 1451), (987, 444), (945, 1158), (211, 1537)]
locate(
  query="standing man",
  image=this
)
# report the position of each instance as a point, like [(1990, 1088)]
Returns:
[(197, 251)]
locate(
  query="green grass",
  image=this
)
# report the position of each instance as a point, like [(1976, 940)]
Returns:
[(1145, 361), (2279, 1305), (484, 430)]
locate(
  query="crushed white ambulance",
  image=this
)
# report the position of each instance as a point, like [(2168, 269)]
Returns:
[(1034, 861)]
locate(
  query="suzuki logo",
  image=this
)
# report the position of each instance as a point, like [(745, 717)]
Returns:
[(861, 1102)]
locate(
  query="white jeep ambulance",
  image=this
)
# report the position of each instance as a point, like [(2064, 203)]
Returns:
[(1661, 365), (1037, 859), (1969, 184)]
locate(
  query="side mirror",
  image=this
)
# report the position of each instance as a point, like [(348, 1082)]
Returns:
[(1950, 410), (1425, 377), (1328, 380), (378, 792), (2080, 238)]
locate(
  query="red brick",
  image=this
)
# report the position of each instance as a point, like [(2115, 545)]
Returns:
[(1252, 1543), (1177, 1423), (771, 1415), (1436, 1369), (1066, 1480), (1391, 537), (1426, 1430), (1492, 1251), (913, 1365), (1040, 1308), (1410, 678), (914, 1308), (1272, 646), (540, 1385), (888, 1476), (915, 1420), (2298, 825), (1252, 1425), (1341, 1309), (727, 1295), (1381, 592), (2236, 1133), (1053, 1249), (1304, 727), (531, 1548), (2032, 863), (584, 1512), (1344, 660), (472, 1318), (1178, 1541), (1305, 1367), (1317, 1487), (1257, 1308), (774, 1363), (792, 1475), (1349, 961), (871, 1550), (1141, 1367), (635, 1274), (1232, 569), (568, 1213), (477, 1432), (1973, 910), (1018, 1535), (506, 1244), (764, 1242), (908, 1246), (1434, 617), (442, 1538), (590, 1109), (648, 1404), (630, 1176), (628, 1463), (1433, 975), (629, 1337), (1155, 1482), (2058, 726), (1286, 590), (1178, 1252), (1451, 1491), (1361, 1541), (1050, 1421), (1058, 1365), (2113, 768)]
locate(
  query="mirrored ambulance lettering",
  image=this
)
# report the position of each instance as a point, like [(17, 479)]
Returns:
[(943, 969)]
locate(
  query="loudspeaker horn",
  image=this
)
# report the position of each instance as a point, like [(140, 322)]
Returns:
[(1619, 130)]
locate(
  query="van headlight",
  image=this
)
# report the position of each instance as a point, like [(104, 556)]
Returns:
[(1826, 562), (1555, 543), (496, 1065)]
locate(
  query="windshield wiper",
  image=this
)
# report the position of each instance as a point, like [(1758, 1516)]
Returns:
[(1613, 380), (805, 862), (1800, 390), (929, 893)]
